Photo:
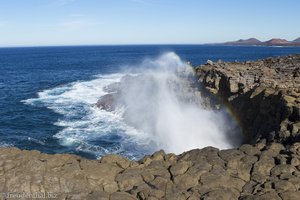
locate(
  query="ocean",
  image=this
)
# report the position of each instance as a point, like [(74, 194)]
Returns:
[(48, 95)]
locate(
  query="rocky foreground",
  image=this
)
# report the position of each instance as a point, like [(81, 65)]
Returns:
[(249, 172), (265, 95)]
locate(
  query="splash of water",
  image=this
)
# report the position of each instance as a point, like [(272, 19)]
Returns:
[(158, 102), (153, 113)]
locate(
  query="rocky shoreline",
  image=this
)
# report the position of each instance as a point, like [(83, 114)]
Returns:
[(264, 94), (249, 172)]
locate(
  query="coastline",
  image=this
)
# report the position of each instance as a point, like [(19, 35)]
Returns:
[(268, 167)]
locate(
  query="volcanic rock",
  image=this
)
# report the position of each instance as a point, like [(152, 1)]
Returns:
[(191, 175), (264, 94)]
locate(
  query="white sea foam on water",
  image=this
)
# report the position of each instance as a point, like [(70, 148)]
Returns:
[(152, 117), (83, 123), (37, 141), (3, 144)]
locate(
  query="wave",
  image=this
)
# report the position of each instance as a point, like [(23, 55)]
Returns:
[(171, 124), (4, 144), (85, 127)]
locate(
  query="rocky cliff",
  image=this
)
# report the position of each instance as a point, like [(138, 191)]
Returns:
[(265, 97)]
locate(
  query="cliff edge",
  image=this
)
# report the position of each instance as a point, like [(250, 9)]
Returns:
[(265, 97), (249, 172)]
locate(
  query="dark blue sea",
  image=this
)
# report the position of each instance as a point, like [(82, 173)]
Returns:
[(47, 94)]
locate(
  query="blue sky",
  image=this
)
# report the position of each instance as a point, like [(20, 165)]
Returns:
[(92, 22)]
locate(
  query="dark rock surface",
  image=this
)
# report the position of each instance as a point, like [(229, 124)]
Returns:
[(249, 172), (264, 94)]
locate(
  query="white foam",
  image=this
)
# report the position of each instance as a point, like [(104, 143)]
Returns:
[(170, 124), (4, 145), (173, 124), (36, 140), (82, 122)]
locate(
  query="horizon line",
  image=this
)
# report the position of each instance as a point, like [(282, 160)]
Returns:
[(86, 45), (141, 44), (133, 44)]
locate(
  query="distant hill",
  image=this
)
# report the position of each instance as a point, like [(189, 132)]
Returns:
[(277, 41), (271, 42), (297, 40), (250, 41)]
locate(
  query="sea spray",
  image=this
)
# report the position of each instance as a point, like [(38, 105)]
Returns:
[(158, 103), (154, 112)]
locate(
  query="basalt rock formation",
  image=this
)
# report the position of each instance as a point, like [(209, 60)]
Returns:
[(249, 172), (263, 94)]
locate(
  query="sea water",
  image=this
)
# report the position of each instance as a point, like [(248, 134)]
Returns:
[(48, 96)]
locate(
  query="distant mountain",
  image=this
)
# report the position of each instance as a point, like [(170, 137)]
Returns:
[(277, 41), (272, 42), (250, 41), (297, 40)]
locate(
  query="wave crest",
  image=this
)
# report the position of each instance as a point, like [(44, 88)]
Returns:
[(153, 114)]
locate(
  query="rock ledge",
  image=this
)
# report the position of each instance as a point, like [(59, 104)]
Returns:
[(264, 94), (249, 172)]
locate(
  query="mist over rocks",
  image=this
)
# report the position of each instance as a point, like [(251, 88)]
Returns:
[(263, 94), (164, 103)]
